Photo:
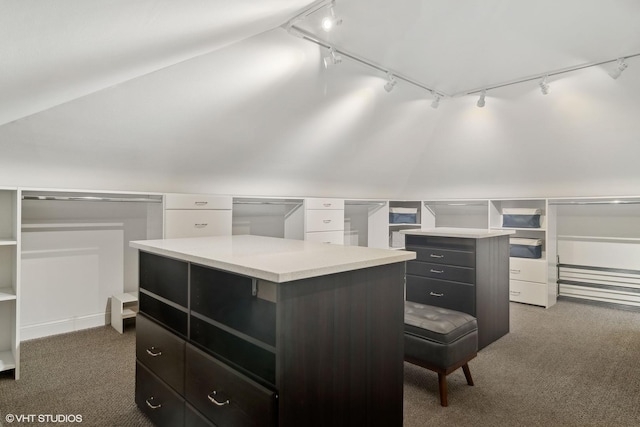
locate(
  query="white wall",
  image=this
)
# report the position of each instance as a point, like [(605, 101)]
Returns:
[(262, 117)]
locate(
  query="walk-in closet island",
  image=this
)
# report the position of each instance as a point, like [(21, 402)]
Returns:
[(254, 330)]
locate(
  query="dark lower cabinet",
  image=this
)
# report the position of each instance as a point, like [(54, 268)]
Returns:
[(463, 274), (238, 351)]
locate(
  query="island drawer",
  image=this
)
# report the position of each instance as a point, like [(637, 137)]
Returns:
[(161, 404), (165, 277), (444, 256), (442, 271), (225, 396), (441, 293), (193, 418), (160, 351)]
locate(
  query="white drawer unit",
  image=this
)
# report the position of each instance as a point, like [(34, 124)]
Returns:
[(324, 220), (196, 215), (335, 237), (530, 270), (195, 201), (528, 292)]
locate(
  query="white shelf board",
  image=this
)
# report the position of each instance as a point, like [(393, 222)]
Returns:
[(403, 225), (519, 228), (7, 294), (7, 361), (602, 238), (35, 226), (8, 242)]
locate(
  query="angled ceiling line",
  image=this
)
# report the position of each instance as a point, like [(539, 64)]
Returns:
[(307, 35)]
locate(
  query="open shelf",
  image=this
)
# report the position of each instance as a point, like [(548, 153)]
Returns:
[(7, 294), (7, 361)]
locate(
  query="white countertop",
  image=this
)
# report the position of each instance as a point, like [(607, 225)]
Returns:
[(471, 233), (270, 258)]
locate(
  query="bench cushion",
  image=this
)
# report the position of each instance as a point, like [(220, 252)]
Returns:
[(437, 324)]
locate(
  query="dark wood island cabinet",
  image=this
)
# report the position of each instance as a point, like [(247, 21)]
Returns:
[(258, 331)]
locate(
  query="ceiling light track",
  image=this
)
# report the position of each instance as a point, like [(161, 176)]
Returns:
[(618, 61), (304, 34)]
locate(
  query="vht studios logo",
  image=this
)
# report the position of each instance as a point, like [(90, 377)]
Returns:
[(42, 418)]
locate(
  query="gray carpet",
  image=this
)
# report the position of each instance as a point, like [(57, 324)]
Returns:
[(570, 365)]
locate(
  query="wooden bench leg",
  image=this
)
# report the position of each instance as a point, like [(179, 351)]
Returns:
[(467, 373), (442, 381)]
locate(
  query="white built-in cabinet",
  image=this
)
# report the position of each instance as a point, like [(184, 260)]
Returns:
[(196, 215), (531, 280), (396, 239), (324, 220), (10, 280)]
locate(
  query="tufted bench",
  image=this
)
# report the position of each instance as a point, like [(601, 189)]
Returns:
[(441, 340)]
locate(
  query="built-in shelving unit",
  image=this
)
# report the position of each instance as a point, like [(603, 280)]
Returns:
[(599, 250), (396, 239), (532, 280), (10, 280)]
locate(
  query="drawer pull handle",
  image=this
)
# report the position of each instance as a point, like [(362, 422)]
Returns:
[(433, 294), (152, 353), (514, 271), (213, 399), (202, 225), (326, 205), (151, 405), (516, 293), (436, 256), (326, 221), (201, 203), (436, 271)]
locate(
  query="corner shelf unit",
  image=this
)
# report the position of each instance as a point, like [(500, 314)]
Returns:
[(10, 280), (396, 239)]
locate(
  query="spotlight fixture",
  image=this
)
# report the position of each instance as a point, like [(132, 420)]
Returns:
[(544, 86), (480, 102), (391, 83), (332, 58), (436, 101), (620, 67), (331, 21)]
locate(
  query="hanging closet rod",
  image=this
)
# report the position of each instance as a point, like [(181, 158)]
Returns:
[(364, 202), (593, 202), (91, 198), (267, 202), (443, 203)]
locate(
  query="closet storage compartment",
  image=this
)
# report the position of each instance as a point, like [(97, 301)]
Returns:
[(399, 215), (521, 217), (525, 248)]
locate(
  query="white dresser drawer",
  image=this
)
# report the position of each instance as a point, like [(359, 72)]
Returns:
[(528, 292), (194, 201), (335, 237), (197, 223), (324, 220), (324, 203), (530, 270)]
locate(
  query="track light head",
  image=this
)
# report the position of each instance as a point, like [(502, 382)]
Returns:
[(544, 86), (391, 83), (331, 21), (436, 101), (332, 58), (480, 102), (621, 65)]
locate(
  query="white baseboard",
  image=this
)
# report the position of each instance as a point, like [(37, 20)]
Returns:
[(63, 326)]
